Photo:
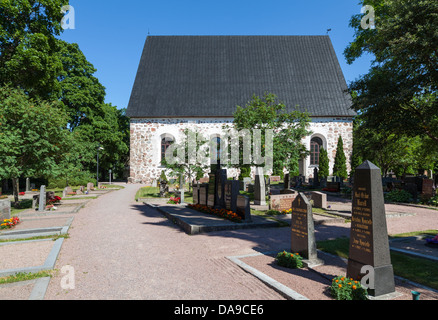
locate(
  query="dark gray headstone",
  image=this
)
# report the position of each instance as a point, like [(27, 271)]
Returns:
[(196, 189), (259, 188), (316, 182), (369, 244), (203, 194), (303, 231), (211, 200), (287, 181), (243, 208), (231, 193)]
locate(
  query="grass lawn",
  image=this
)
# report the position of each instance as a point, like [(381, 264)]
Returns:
[(416, 269), (154, 192)]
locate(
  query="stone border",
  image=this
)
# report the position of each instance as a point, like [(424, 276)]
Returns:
[(32, 213), (49, 264), (288, 293), (193, 229), (40, 288), (39, 232)]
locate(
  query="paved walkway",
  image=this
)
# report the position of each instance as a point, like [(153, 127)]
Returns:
[(121, 249)]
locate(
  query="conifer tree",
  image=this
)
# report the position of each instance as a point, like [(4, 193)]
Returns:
[(323, 163), (340, 166)]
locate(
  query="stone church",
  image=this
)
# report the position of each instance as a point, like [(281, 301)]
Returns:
[(197, 82)]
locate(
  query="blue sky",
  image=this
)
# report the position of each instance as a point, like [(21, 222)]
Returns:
[(112, 33)]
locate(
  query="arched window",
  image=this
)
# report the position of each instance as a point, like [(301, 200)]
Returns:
[(315, 146), (166, 142)]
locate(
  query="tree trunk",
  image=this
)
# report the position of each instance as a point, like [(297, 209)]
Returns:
[(15, 190)]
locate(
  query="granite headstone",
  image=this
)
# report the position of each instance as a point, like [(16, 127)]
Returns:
[(303, 231), (369, 245)]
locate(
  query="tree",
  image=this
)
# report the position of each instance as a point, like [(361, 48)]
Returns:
[(187, 156), (340, 165), (81, 92), (289, 128), (33, 137), (399, 93), (28, 46), (323, 163)]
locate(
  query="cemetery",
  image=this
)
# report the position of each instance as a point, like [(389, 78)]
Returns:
[(245, 167), (301, 206)]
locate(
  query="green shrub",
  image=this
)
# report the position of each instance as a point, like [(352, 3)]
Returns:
[(343, 288), (289, 260), (398, 196), (433, 201)]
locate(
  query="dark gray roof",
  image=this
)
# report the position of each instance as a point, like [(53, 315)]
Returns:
[(207, 76)]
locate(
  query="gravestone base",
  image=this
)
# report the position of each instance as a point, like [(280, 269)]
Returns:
[(383, 277), (311, 263)]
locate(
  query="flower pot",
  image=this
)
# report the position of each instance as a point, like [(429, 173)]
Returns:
[(415, 295)]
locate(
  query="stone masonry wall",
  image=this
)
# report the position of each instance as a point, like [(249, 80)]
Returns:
[(146, 135)]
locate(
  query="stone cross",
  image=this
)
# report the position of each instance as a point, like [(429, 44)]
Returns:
[(303, 231), (369, 245)]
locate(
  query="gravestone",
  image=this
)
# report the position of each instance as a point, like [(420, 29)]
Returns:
[(335, 186), (287, 181), (5, 210), (196, 193), (221, 178), (231, 190), (282, 202), (90, 186), (369, 244), (50, 195), (203, 194), (42, 199), (28, 185), (323, 183), (288, 191), (303, 231), (80, 191), (243, 208), (319, 199), (427, 188), (274, 179), (246, 183), (316, 182), (211, 199), (259, 188)]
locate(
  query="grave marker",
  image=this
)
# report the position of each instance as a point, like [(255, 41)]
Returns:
[(369, 244), (203, 194), (259, 188), (282, 202), (303, 231), (42, 199), (231, 190), (5, 210), (243, 208)]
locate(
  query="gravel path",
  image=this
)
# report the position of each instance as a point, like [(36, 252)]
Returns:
[(121, 249)]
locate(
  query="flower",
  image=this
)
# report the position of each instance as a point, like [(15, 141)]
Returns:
[(340, 285), (354, 287)]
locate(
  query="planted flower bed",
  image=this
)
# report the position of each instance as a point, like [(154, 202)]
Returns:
[(343, 288), (9, 223), (223, 213)]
